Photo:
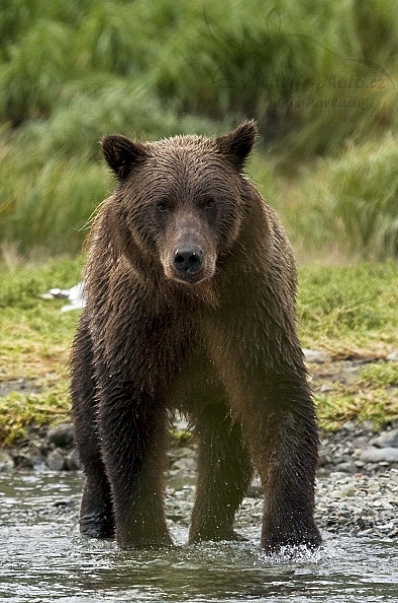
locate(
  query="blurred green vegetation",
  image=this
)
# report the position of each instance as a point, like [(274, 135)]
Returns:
[(319, 77)]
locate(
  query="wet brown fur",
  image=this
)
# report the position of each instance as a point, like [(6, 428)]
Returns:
[(222, 348)]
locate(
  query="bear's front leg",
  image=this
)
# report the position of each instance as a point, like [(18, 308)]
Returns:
[(133, 431), (96, 513), (224, 473), (281, 431)]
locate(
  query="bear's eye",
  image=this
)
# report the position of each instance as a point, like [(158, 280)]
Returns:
[(163, 206), (209, 204)]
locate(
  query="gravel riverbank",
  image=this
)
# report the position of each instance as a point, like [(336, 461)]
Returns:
[(353, 496)]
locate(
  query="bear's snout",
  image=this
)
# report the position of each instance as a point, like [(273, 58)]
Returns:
[(188, 261)]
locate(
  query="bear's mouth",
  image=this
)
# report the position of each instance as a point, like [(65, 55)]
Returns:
[(187, 277)]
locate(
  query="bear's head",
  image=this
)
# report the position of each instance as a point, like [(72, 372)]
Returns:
[(180, 200)]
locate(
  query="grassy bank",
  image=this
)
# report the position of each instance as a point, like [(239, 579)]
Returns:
[(345, 311), (36, 341)]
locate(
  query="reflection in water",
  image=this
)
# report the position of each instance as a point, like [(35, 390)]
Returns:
[(43, 558)]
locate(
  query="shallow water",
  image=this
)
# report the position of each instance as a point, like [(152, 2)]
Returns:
[(43, 558)]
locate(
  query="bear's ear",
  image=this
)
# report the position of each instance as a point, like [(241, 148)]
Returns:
[(122, 154), (238, 144)]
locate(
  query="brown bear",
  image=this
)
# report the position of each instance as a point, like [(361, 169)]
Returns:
[(190, 286)]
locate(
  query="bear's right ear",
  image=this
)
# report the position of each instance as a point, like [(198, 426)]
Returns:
[(122, 154), (237, 145)]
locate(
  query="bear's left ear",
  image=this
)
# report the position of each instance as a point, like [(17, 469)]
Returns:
[(238, 144), (122, 154)]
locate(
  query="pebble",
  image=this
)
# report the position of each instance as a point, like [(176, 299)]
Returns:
[(377, 455), (388, 439), (348, 491), (6, 462), (56, 460), (349, 426), (347, 467), (62, 436), (313, 356), (72, 460)]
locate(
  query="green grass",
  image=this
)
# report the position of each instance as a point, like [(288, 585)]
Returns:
[(346, 311), (349, 307), (36, 340), (351, 202), (339, 406), (351, 312), (371, 396), (20, 412), (380, 375), (47, 206)]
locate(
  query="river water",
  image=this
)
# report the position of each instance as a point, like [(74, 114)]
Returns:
[(44, 559)]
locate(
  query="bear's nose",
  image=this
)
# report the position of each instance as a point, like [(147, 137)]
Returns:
[(189, 259)]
